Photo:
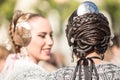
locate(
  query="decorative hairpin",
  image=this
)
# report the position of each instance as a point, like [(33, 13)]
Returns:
[(24, 25), (87, 7)]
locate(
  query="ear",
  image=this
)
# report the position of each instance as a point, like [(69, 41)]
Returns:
[(115, 50)]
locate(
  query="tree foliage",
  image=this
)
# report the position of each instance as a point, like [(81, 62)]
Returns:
[(64, 9), (113, 8), (7, 8)]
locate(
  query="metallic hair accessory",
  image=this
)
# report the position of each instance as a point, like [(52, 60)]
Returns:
[(24, 25), (72, 40), (87, 7), (24, 52)]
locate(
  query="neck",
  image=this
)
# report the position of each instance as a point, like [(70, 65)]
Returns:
[(32, 59), (25, 55), (94, 54)]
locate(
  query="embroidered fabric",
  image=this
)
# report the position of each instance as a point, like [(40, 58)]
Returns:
[(32, 73), (106, 71), (25, 70)]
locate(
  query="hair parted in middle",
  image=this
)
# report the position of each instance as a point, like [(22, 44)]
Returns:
[(20, 29)]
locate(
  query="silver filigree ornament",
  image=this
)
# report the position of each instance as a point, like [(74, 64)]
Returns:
[(90, 7), (24, 52), (23, 29), (24, 24), (87, 7), (72, 40)]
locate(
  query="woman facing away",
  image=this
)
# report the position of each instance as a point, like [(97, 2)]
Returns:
[(89, 35), (31, 35)]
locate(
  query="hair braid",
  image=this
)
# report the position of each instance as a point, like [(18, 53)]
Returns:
[(16, 16), (19, 30), (90, 33)]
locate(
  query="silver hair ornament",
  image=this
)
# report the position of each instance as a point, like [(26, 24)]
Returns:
[(87, 7), (24, 25), (24, 52), (72, 40)]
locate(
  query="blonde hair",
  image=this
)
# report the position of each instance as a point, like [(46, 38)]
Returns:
[(19, 30)]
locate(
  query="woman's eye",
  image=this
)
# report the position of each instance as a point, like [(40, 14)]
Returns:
[(42, 36), (51, 35)]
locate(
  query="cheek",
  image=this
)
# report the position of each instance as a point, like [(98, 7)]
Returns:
[(44, 57), (36, 45)]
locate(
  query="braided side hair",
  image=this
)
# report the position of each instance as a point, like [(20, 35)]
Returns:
[(16, 16), (19, 17)]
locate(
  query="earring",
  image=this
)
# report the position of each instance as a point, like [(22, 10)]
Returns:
[(102, 56), (24, 52)]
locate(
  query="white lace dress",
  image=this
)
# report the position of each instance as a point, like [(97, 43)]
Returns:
[(24, 70)]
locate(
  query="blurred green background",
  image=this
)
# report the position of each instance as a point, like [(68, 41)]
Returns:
[(63, 8), (57, 11)]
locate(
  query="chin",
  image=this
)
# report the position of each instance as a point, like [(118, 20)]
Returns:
[(46, 58)]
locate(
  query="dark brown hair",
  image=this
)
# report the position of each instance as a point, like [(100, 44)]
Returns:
[(90, 33)]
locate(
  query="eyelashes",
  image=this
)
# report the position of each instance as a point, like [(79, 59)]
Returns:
[(43, 35), (51, 35)]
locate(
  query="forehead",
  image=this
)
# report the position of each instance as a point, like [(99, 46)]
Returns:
[(40, 24)]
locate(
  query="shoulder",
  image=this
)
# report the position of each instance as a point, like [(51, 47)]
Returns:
[(61, 74), (27, 71), (108, 71), (107, 66)]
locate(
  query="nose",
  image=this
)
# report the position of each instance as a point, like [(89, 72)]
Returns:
[(50, 41)]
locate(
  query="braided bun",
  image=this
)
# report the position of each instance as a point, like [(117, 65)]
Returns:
[(88, 33)]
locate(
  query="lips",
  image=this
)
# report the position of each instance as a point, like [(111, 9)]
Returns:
[(47, 51)]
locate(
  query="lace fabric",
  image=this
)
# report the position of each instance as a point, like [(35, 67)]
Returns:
[(31, 73), (106, 71), (25, 70)]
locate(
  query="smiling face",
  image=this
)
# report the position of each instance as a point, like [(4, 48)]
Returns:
[(41, 42)]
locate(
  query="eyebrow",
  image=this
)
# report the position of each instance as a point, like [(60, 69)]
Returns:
[(45, 32)]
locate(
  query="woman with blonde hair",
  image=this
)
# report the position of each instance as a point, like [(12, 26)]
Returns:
[(31, 35)]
